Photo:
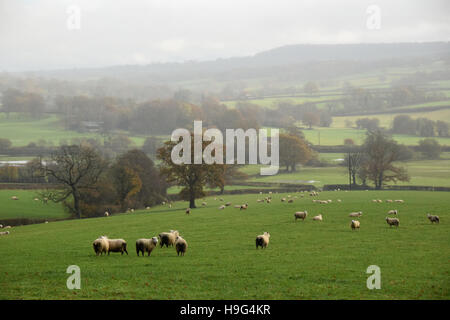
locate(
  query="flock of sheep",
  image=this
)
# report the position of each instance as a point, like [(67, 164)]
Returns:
[(172, 238)]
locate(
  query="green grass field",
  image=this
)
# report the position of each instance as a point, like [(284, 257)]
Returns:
[(304, 260), (27, 207), (422, 173)]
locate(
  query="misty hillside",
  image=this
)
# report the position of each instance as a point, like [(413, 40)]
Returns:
[(351, 58)]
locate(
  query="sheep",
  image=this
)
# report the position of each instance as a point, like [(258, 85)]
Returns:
[(290, 200), (180, 245), (269, 201), (300, 215), (389, 201), (393, 212), (221, 207), (170, 205), (106, 214), (354, 224), (355, 214), (204, 203), (146, 245), (228, 204), (339, 200), (132, 210), (433, 218), (1, 226), (244, 206), (14, 198), (7, 227), (147, 208), (262, 240), (4, 233), (318, 218), (221, 199), (168, 238), (163, 203), (400, 201), (101, 245), (237, 206), (188, 210), (117, 245), (283, 199), (259, 200), (392, 221), (36, 199), (380, 201)]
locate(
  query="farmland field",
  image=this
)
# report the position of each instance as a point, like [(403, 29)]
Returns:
[(27, 207), (304, 260)]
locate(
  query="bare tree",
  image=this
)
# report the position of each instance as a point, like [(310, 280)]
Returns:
[(75, 168)]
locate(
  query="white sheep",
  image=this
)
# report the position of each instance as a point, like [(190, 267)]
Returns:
[(244, 206), (7, 227), (101, 245), (433, 218), (147, 208), (4, 233), (221, 207), (14, 198), (180, 245), (318, 218), (354, 224), (300, 215), (400, 201), (262, 240), (290, 200), (355, 214), (228, 204), (1, 226), (188, 210), (117, 245), (168, 238), (392, 222), (389, 201), (204, 203), (146, 245), (106, 214), (393, 212)]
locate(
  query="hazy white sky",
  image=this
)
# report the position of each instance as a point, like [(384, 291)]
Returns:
[(34, 33)]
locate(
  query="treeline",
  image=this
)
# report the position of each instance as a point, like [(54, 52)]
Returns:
[(422, 127)]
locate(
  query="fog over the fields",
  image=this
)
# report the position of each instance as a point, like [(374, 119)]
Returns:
[(35, 36)]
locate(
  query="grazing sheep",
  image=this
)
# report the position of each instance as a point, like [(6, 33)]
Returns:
[(132, 210), (7, 227), (389, 201), (147, 208), (106, 214), (36, 199), (283, 199), (393, 212), (188, 210), (269, 201), (228, 204), (180, 245), (339, 200), (433, 218), (290, 200), (204, 203), (318, 218), (170, 205), (168, 238), (259, 200), (117, 245), (262, 240), (146, 245), (355, 214), (400, 201), (1, 226), (237, 206), (163, 203), (221, 199), (392, 222), (221, 207), (4, 233), (14, 198), (354, 224), (244, 207), (300, 215), (101, 245), (46, 222)]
